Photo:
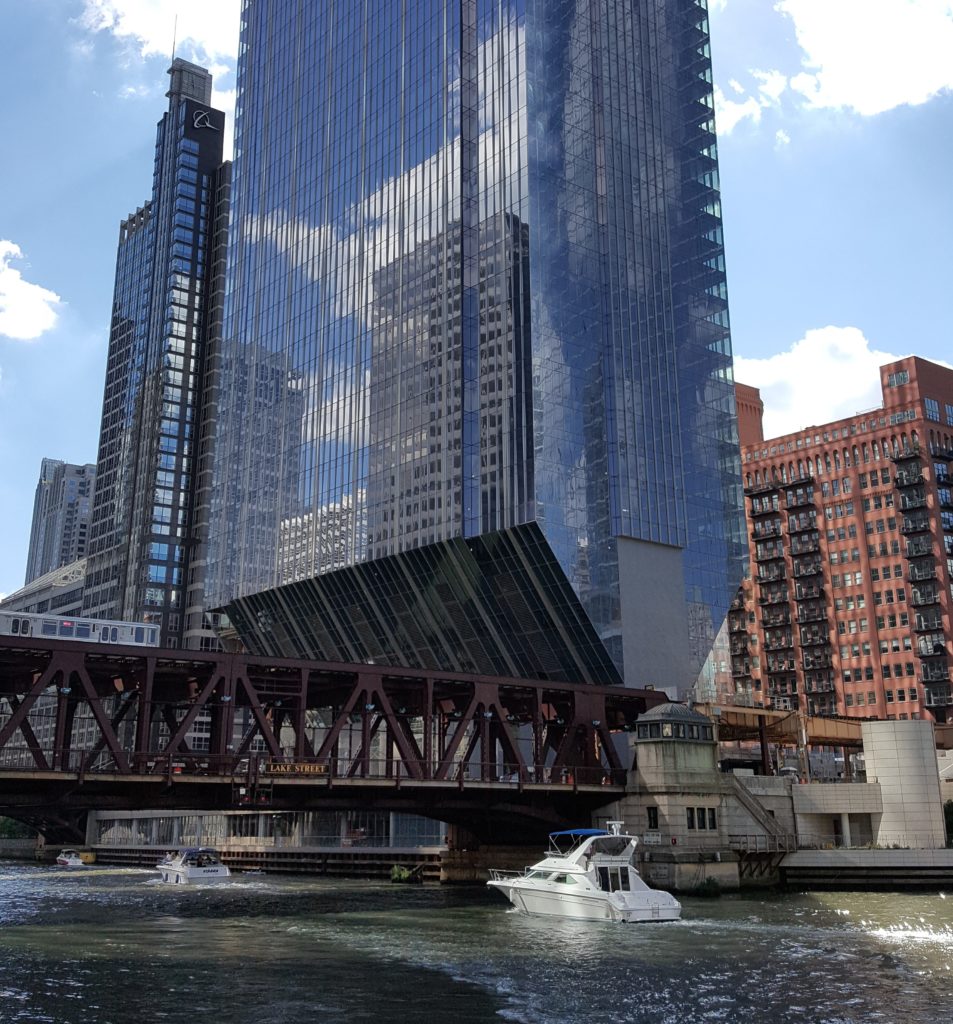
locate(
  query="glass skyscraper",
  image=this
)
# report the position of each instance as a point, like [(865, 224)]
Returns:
[(146, 559), (476, 405), (61, 509)]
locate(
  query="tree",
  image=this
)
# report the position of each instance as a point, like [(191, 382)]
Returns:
[(10, 828)]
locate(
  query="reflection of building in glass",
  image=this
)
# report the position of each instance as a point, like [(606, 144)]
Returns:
[(488, 238), (59, 533), (415, 485), (337, 529), (145, 562), (851, 537)]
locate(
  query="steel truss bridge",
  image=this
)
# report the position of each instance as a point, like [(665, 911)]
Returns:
[(88, 726)]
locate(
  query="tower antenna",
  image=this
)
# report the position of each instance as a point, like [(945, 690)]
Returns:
[(175, 30)]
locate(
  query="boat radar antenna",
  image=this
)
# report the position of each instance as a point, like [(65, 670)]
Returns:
[(615, 827)]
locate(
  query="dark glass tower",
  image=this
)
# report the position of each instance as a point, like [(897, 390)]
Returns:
[(146, 560), (477, 408)]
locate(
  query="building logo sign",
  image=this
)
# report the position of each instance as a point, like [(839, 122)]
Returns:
[(200, 119)]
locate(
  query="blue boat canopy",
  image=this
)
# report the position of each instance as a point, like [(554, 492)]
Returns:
[(580, 832)]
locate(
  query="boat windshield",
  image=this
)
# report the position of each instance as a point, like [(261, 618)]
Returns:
[(611, 846)]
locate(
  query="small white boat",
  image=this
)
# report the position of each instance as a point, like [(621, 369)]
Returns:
[(588, 873), (69, 859), (193, 864)]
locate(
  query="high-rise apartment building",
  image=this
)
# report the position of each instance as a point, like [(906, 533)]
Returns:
[(61, 517), (851, 539), (477, 307), (146, 560)]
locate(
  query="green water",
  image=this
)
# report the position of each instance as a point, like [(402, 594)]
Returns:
[(106, 945)]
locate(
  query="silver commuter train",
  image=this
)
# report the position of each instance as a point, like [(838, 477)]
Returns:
[(97, 631)]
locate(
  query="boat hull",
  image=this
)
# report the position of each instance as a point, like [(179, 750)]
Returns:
[(654, 906), (193, 876)]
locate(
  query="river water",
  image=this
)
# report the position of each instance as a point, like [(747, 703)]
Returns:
[(103, 945)]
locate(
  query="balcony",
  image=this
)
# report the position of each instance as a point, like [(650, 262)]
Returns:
[(764, 531), (915, 524), (809, 592), (931, 646), (805, 545), (770, 574), (781, 668), (934, 672), (765, 488), (779, 643), (914, 500), (811, 568), (799, 497), (907, 454), (909, 478), (773, 621), (769, 554), (799, 523), (927, 624), (815, 639), (818, 659), (918, 573), (812, 614), (937, 697), (924, 598), (764, 508), (919, 548), (738, 647), (773, 597)]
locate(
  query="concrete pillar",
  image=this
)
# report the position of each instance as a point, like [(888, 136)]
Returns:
[(845, 829)]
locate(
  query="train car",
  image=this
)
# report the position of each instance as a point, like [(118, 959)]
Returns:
[(97, 631)]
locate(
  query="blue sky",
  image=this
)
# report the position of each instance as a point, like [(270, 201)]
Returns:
[(835, 144)]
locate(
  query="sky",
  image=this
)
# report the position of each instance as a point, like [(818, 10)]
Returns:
[(835, 146)]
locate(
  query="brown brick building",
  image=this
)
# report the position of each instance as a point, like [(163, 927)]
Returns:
[(848, 610)]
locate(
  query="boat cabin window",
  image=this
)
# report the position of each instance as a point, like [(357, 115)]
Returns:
[(538, 874), (564, 879), (614, 879)]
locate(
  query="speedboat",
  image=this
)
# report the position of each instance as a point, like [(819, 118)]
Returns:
[(193, 864), (69, 859), (587, 873)]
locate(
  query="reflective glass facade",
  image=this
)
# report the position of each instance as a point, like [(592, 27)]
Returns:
[(477, 295), (142, 538)]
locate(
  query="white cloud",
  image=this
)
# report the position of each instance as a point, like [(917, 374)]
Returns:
[(872, 55), (771, 85), (207, 29), (205, 33), (26, 310), (830, 373), (781, 139), (729, 113)]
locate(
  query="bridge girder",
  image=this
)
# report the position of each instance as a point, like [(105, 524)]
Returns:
[(296, 734)]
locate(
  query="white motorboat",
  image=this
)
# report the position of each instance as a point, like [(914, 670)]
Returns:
[(69, 859), (588, 873), (193, 864)]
